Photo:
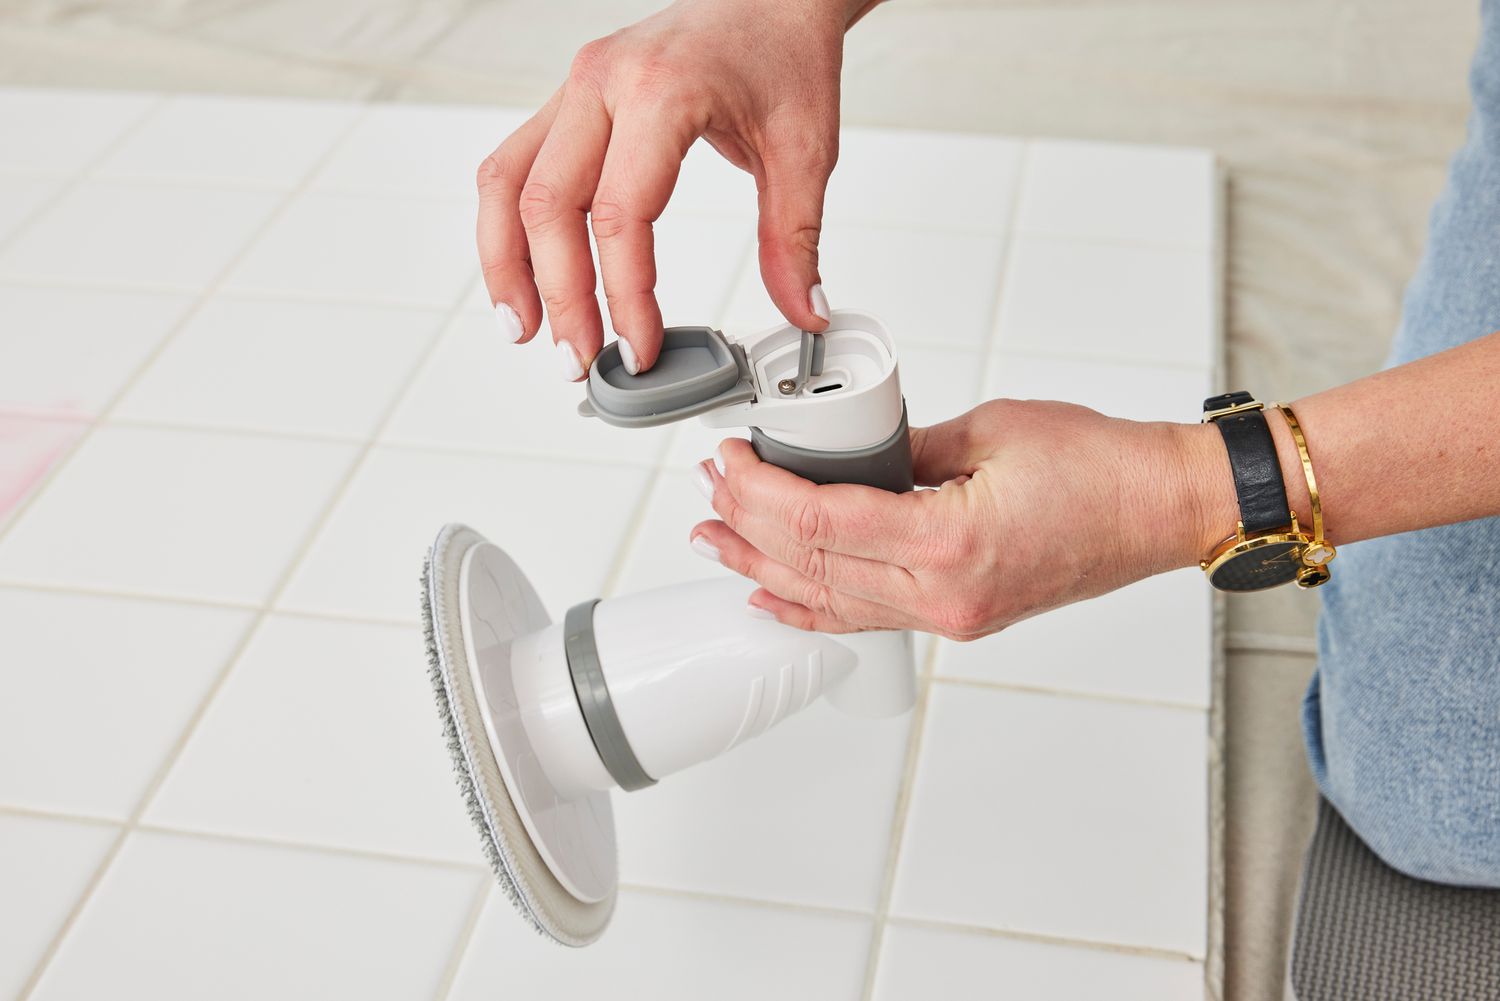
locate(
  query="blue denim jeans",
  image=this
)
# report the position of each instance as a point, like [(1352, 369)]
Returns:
[(1402, 719)]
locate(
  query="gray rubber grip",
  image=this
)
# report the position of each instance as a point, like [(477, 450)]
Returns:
[(598, 708), (886, 465)]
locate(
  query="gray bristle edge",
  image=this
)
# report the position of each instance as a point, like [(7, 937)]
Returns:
[(461, 775)]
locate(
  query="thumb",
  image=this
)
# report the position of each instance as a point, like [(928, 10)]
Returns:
[(947, 451), (791, 220)]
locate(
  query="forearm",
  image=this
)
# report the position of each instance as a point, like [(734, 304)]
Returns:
[(1406, 448)]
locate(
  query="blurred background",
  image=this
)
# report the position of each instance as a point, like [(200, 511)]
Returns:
[(1334, 120)]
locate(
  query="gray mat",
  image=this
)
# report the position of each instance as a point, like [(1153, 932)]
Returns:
[(1367, 932)]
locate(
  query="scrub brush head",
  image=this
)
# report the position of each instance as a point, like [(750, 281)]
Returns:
[(518, 866)]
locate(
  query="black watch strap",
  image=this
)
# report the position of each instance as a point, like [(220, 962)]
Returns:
[(1253, 460)]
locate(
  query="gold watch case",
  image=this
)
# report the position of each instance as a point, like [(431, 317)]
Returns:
[(1268, 560)]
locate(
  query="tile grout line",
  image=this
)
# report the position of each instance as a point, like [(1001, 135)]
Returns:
[(1063, 693), (680, 893), (465, 936), (29, 986), (73, 180), (898, 820), (1017, 935), (288, 296), (313, 847), (44, 813)]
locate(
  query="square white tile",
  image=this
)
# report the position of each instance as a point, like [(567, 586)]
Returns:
[(187, 514), (1131, 194), (659, 553), (927, 287), (480, 392), (801, 814), (1111, 302), (418, 149), (324, 733), (183, 918), (918, 963), (923, 180), (155, 236), (671, 949), (69, 351), (63, 131), (30, 448), (563, 522), (224, 140), (1065, 817), (1151, 640), (1135, 392), (21, 197), (414, 252), (94, 673), (297, 368), (44, 865)]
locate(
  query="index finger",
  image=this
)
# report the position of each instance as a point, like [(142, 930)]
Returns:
[(840, 517), (640, 171)]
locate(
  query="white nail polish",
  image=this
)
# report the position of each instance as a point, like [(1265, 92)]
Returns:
[(704, 548), (568, 359), (703, 482), (819, 301), (756, 612), (719, 460), (510, 323), (627, 355)]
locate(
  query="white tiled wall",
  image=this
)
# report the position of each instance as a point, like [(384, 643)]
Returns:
[(247, 371)]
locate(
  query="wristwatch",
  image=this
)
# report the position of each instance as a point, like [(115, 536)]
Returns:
[(1268, 547)]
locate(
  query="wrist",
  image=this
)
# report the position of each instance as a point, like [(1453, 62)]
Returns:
[(1206, 507)]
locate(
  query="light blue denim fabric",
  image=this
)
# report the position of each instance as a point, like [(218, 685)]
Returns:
[(1402, 719)]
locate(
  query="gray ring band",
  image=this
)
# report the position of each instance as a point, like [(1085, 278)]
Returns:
[(594, 702)]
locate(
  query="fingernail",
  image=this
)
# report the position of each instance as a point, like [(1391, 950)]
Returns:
[(510, 323), (719, 460), (819, 301), (704, 548), (756, 612), (703, 482), (627, 355), (568, 358)]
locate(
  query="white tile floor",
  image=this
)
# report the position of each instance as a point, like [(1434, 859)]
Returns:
[(246, 373)]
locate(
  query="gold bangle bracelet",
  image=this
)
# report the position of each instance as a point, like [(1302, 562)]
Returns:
[(1320, 551)]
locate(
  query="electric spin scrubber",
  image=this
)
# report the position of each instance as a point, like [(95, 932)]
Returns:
[(544, 718)]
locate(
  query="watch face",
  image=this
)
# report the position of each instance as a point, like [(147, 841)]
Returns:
[(1257, 564)]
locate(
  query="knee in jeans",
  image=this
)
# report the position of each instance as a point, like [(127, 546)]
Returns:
[(1441, 835)]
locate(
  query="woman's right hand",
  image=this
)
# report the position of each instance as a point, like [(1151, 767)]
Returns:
[(759, 79)]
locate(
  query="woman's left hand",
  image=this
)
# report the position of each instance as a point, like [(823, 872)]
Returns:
[(1040, 504)]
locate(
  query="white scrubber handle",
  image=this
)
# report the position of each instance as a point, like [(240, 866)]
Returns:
[(692, 672)]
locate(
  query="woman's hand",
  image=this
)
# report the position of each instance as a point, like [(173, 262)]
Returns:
[(1040, 504), (759, 79)]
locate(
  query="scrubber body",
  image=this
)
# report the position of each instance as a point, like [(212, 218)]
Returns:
[(544, 719)]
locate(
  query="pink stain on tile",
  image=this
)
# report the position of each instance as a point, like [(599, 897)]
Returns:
[(29, 448)]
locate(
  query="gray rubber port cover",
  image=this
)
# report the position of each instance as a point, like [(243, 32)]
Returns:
[(697, 371)]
